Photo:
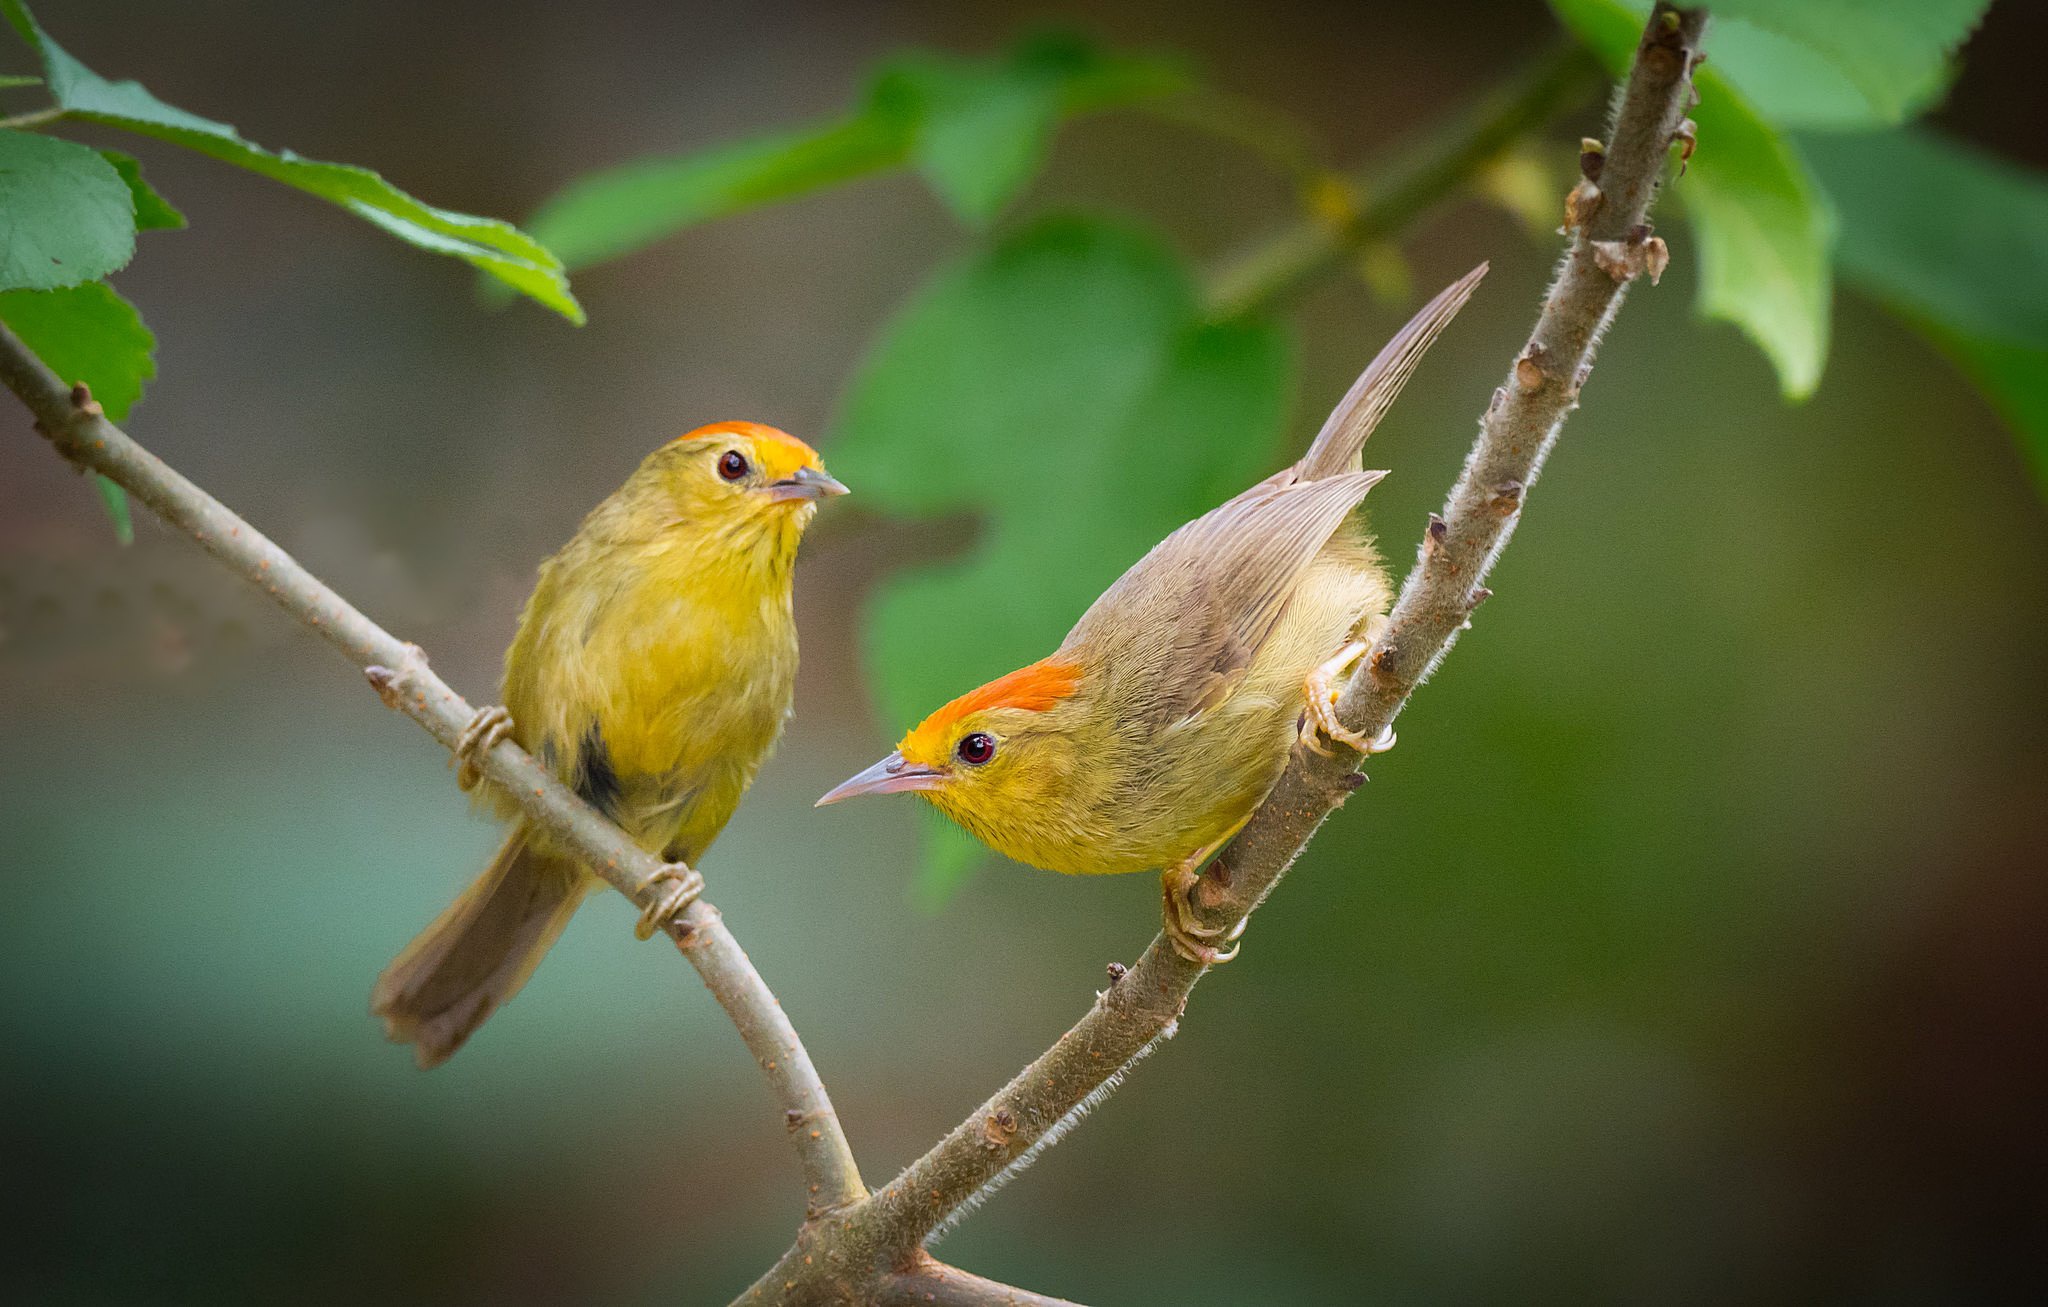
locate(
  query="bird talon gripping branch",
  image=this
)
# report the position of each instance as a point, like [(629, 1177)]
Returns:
[(1149, 737), (485, 729), (684, 883)]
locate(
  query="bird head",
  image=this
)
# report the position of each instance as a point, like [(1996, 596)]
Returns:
[(742, 478), (995, 759)]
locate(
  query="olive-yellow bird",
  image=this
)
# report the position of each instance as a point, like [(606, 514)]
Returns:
[(1147, 739), (652, 672)]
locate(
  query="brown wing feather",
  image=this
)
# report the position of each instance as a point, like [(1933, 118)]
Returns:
[(1225, 578), (1337, 448)]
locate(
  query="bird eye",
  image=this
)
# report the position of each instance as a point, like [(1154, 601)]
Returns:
[(975, 749), (732, 465)]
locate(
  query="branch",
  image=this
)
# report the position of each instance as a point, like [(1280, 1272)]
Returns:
[(70, 419), (1141, 1008), (1284, 264), (934, 1284)]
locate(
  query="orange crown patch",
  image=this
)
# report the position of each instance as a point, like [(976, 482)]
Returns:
[(782, 452), (1034, 688)]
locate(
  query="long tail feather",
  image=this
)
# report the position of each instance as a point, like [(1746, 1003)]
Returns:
[(1339, 445), (479, 951)]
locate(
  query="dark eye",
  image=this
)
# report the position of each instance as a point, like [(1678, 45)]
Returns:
[(732, 465), (975, 749)]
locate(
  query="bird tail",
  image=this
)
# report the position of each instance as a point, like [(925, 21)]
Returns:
[(1339, 445), (479, 951)]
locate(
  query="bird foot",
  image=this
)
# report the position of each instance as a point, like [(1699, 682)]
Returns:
[(1189, 937), (485, 729), (1321, 693), (684, 883)]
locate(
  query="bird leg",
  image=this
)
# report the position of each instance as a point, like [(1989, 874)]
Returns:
[(1189, 937), (684, 883), (1321, 692), (485, 729)]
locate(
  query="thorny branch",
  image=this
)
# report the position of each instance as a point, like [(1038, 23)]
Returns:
[(859, 1248), (835, 1258), (72, 421)]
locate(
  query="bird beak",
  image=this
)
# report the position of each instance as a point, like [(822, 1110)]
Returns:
[(808, 485), (892, 775)]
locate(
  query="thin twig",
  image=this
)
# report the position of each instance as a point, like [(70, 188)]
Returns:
[(1283, 264), (73, 422), (1142, 1006), (934, 1284), (34, 118)]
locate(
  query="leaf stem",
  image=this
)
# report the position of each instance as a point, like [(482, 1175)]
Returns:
[(1565, 79), (34, 118)]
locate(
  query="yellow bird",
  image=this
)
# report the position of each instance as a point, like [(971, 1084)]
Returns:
[(1150, 735), (652, 672)]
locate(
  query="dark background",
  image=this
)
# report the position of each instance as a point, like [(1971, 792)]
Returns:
[(1689, 947)]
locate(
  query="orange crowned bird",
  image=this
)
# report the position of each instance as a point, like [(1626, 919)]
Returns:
[(652, 672), (1149, 736)]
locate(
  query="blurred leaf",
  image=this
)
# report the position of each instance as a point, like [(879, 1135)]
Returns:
[(1957, 243), (88, 333), (115, 501), (977, 130), (1824, 63), (605, 214), (9, 81), (152, 211), (1062, 386), (498, 248), (1840, 63), (1764, 227), (68, 215), (983, 126)]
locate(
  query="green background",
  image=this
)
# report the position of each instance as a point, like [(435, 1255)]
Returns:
[(1687, 948)]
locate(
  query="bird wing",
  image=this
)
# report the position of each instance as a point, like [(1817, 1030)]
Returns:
[(1337, 446), (1207, 597)]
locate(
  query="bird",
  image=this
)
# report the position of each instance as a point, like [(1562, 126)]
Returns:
[(1147, 739), (652, 671)]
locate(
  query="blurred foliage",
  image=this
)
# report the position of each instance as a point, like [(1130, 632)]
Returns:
[(1956, 243), (976, 129)]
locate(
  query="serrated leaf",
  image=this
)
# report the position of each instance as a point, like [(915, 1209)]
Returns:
[(498, 248), (1956, 242), (66, 213), (1764, 228), (152, 211), (88, 333), (1062, 387)]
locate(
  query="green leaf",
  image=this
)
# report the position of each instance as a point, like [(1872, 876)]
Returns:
[(1825, 63), (605, 214), (9, 81), (1764, 227), (1956, 242), (115, 501), (498, 248), (1063, 388), (152, 211), (88, 333), (67, 214), (977, 130), (1840, 63)]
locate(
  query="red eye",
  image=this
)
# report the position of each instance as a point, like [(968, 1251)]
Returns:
[(975, 749), (732, 465)]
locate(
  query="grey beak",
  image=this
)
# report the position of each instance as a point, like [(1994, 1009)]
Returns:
[(807, 484), (892, 775)]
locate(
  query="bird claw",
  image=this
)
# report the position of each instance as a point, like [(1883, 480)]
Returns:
[(684, 882), (485, 729), (1189, 937), (1321, 694)]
